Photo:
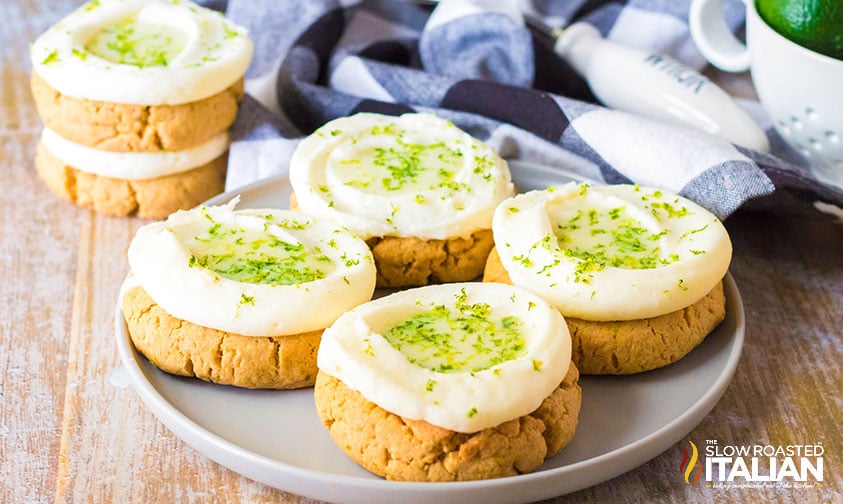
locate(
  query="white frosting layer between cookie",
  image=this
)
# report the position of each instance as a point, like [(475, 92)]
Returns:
[(463, 356), (252, 272), (414, 175), (132, 165), (142, 52), (617, 252)]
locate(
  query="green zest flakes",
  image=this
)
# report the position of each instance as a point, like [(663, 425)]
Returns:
[(230, 32), (610, 237), (464, 338), (251, 256), (244, 300), (139, 44), (93, 4), (51, 58), (399, 165)]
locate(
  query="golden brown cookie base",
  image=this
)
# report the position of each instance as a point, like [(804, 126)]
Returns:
[(632, 346), (414, 450), (154, 198), (414, 262), (179, 347), (119, 127)]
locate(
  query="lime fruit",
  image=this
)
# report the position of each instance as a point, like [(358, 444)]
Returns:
[(815, 24)]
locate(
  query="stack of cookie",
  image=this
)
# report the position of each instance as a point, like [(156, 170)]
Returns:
[(136, 98)]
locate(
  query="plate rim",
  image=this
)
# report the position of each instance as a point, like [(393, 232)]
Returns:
[(335, 487)]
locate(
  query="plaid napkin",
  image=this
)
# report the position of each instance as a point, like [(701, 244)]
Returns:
[(478, 64)]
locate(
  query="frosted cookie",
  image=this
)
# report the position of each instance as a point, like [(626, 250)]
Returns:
[(636, 272), (148, 184), (449, 382), (418, 189), (241, 297), (136, 77)]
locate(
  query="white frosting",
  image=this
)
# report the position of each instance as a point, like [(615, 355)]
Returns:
[(413, 175), (252, 272), (617, 252), (143, 52), (471, 396), (132, 165)]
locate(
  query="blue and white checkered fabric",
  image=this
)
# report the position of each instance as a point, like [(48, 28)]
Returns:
[(494, 76)]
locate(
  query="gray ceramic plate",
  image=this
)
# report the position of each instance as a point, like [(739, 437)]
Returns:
[(275, 436)]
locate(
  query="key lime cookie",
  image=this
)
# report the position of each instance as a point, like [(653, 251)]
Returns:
[(636, 272), (241, 297), (117, 79), (418, 189), (449, 382)]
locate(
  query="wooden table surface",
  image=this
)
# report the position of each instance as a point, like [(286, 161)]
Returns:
[(72, 428)]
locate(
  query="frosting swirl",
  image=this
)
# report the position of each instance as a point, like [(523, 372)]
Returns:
[(617, 252), (156, 52), (414, 175), (256, 272)]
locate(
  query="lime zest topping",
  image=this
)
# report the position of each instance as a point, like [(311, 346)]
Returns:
[(471, 412), (252, 257), (693, 231), (584, 189), (139, 44), (230, 32), (293, 225), (624, 242), (430, 385), (53, 57), (349, 261), (244, 300), (615, 213), (659, 209), (406, 163), (537, 365), (464, 338)]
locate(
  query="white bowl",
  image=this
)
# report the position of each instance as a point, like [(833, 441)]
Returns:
[(802, 90)]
